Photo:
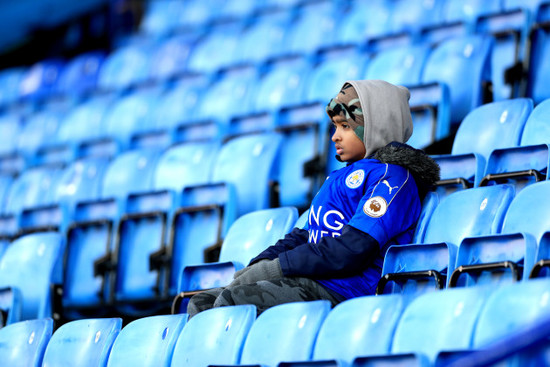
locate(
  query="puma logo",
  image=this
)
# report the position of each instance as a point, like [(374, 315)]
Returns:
[(385, 182)]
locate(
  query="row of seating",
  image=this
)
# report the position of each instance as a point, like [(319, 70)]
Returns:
[(371, 330)]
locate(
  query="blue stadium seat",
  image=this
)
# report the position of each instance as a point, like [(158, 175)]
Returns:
[(29, 265), (488, 127), (462, 64), (431, 201), (365, 20), (282, 85), (412, 16), (85, 342), (170, 57), (125, 67), (148, 341), (537, 72), (402, 66), (40, 81), (216, 50), (10, 128), (225, 329), (10, 80), (358, 327), (314, 27), (435, 322), (466, 213), (250, 175), (39, 130), (80, 74), (23, 343), (161, 17), (284, 333), (247, 237), (510, 309), (264, 39)]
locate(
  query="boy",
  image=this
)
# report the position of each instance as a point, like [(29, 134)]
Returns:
[(362, 209)]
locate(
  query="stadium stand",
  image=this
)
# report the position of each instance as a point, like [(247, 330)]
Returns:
[(143, 166)]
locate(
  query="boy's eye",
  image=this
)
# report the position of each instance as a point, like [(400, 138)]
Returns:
[(345, 126)]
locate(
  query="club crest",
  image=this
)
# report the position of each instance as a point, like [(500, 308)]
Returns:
[(355, 179), (375, 207)]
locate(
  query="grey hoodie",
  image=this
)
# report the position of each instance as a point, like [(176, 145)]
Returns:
[(387, 116)]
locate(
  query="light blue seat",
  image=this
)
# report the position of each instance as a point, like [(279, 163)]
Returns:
[(356, 27), (435, 322), (285, 332), (161, 17), (282, 85), (466, 213), (124, 67), (358, 327), (170, 57), (528, 162), (225, 329), (10, 128), (148, 341), (488, 127), (81, 73), (29, 266), (85, 342), (431, 201), (412, 16), (461, 64), (39, 130), (10, 80), (23, 344), (250, 175), (247, 237), (264, 38), (537, 75), (315, 27), (40, 80), (216, 50)]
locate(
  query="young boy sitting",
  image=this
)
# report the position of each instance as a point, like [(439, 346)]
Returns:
[(360, 210)]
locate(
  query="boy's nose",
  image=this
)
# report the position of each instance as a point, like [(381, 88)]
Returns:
[(335, 137)]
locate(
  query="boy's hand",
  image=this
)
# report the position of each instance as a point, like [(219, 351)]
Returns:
[(263, 270)]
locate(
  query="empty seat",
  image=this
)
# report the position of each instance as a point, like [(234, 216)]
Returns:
[(358, 327), (41, 79), (10, 81), (29, 266), (315, 27), (39, 130), (214, 337), (148, 341), (10, 128), (247, 237), (358, 27), (538, 73), (81, 73), (124, 67), (23, 344), (84, 342), (284, 333), (170, 57), (466, 213), (488, 127)]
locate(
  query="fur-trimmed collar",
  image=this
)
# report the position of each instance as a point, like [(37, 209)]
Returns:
[(423, 168)]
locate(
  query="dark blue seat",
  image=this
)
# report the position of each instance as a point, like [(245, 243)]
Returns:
[(80, 74)]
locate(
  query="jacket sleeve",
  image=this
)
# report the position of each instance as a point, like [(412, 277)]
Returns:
[(340, 256), (296, 237)]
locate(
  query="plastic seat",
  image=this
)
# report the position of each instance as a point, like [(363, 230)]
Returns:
[(466, 213), (10, 80), (461, 64), (148, 341), (247, 236), (356, 28), (528, 162), (488, 127), (412, 16), (447, 319), (29, 265), (10, 128), (84, 342), (357, 327), (251, 174), (40, 130), (284, 333), (314, 28), (125, 67), (225, 328), (161, 17), (23, 344), (41, 79), (216, 49), (431, 201), (81, 73), (170, 57)]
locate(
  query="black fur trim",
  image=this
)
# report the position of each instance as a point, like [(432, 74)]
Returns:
[(422, 166)]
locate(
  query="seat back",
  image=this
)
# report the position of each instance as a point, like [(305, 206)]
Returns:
[(85, 342), (23, 344), (360, 326), (248, 163), (170, 57), (81, 73), (462, 64), (10, 128), (39, 130), (401, 66), (538, 72), (124, 67), (148, 341), (253, 232), (536, 130), (225, 329), (439, 321), (285, 332), (30, 264)]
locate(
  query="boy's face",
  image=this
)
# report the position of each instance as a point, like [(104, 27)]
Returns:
[(348, 146)]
